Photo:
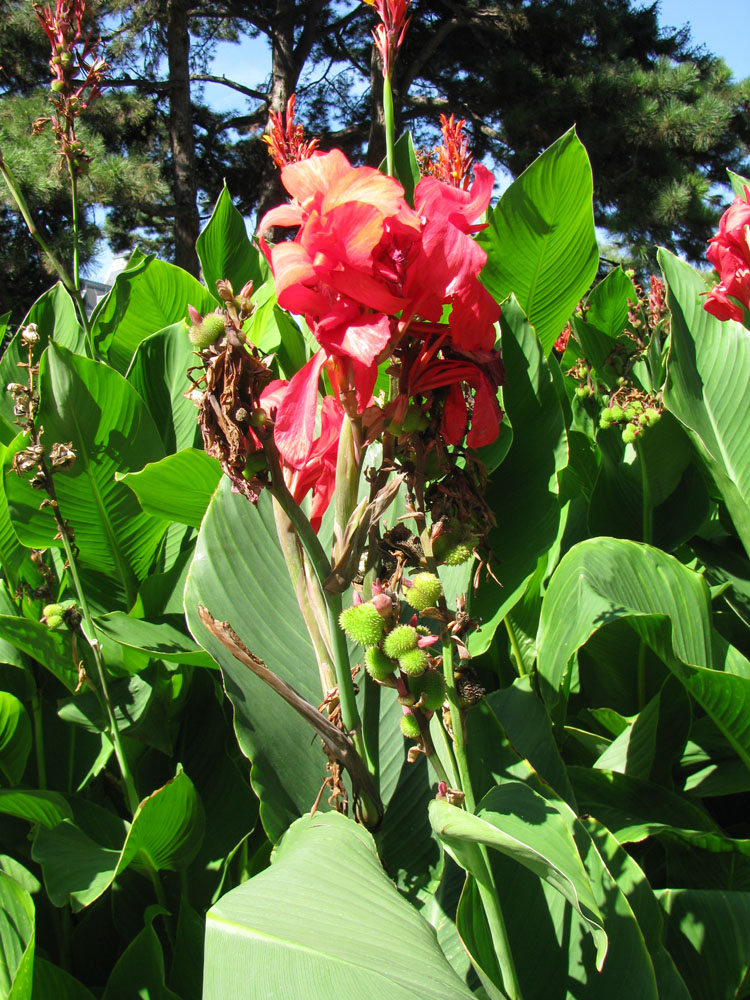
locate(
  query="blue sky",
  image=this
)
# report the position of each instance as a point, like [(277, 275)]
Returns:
[(720, 25)]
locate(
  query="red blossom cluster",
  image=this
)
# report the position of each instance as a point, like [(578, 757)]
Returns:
[(729, 252), (77, 75), (286, 141), (389, 34), (373, 277)]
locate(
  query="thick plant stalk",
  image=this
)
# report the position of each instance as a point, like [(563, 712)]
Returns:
[(388, 114)]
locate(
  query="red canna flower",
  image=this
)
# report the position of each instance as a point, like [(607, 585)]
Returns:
[(454, 160), (389, 34), (729, 252), (286, 142)]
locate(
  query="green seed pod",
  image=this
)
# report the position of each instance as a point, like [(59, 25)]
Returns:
[(362, 624), (400, 641), (653, 416), (459, 554), (605, 419), (431, 687), (425, 591), (617, 414), (52, 611), (57, 86), (414, 662), (255, 463), (54, 621), (410, 727), (628, 435), (208, 332), (378, 665), (643, 420), (583, 391)]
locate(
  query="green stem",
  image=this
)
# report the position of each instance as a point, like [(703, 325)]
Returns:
[(515, 647), (321, 568), (348, 463), (498, 931), (114, 733), (159, 892), (76, 257), (23, 208), (648, 537), (389, 127), (36, 713), (457, 726)]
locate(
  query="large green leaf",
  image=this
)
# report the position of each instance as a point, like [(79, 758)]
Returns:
[(56, 319), (37, 806), (52, 983), (523, 490), (159, 373), (166, 832), (515, 820), (89, 405), (51, 648), (139, 971), (177, 488), (163, 639), (14, 558), (239, 575), (708, 373), (225, 250), (293, 933), (17, 934), (15, 737), (145, 299), (708, 935), (540, 243), (605, 579)]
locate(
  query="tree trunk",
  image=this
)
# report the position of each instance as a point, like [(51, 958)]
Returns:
[(376, 138), (186, 223)]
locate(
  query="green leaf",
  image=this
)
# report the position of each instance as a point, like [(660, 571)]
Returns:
[(56, 320), (708, 935), (523, 490), (15, 737), (738, 183), (540, 243), (239, 575), (513, 819), (52, 648), (405, 165), (178, 488), (162, 639), (52, 983), (144, 300), (609, 304), (605, 579), (140, 969), (303, 937), (17, 934), (36, 806), (273, 331), (14, 558), (166, 832), (225, 250), (89, 405), (708, 371), (159, 374)]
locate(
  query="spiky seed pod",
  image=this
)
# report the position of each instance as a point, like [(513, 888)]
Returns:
[(362, 624), (653, 416), (52, 611), (628, 435), (425, 591), (378, 665), (400, 640), (207, 332), (431, 687), (460, 553), (414, 662), (410, 727)]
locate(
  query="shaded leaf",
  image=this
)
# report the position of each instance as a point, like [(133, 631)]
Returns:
[(15, 737), (17, 936), (178, 488)]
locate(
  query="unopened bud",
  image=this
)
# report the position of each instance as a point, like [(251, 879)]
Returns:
[(225, 290), (30, 335)]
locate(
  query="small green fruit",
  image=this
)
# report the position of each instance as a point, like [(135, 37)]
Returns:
[(605, 419), (208, 332), (653, 416), (617, 414), (583, 391), (52, 611), (54, 621), (362, 624), (628, 435), (431, 687), (458, 555), (378, 665), (402, 639), (410, 727), (57, 86), (414, 662), (425, 591)]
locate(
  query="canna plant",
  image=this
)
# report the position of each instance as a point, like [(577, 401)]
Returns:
[(362, 633)]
